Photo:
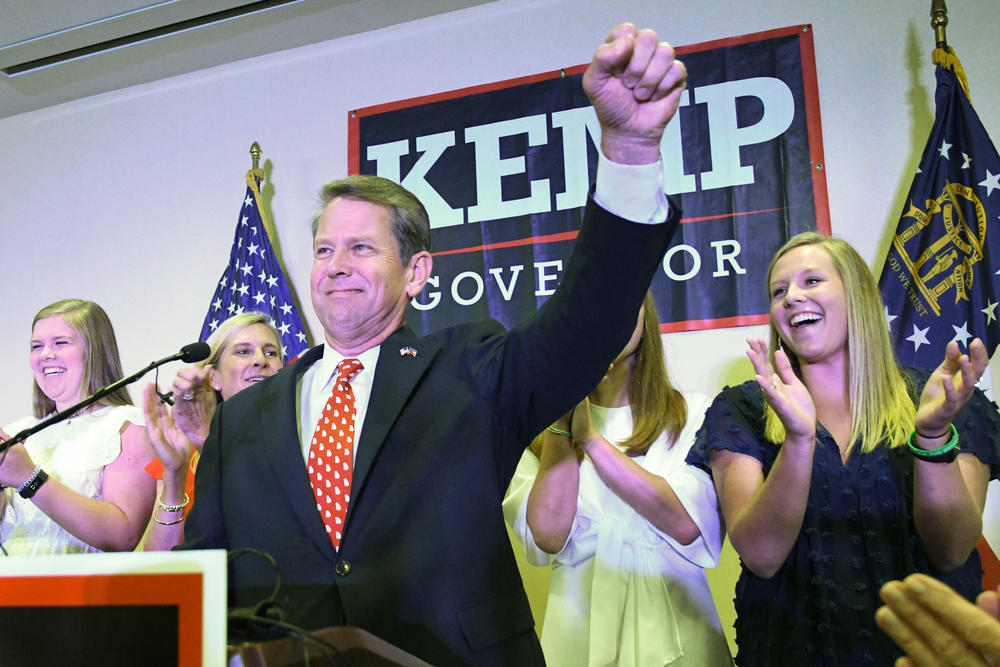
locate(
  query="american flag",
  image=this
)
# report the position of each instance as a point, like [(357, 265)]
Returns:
[(254, 280)]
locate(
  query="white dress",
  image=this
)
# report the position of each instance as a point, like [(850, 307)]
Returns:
[(622, 591), (74, 452)]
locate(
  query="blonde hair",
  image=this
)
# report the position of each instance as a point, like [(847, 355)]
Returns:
[(657, 405), (102, 364), (230, 327), (880, 394)]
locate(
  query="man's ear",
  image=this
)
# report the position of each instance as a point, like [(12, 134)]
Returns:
[(418, 271)]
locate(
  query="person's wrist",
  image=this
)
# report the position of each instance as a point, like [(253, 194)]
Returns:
[(931, 434), (626, 148), (800, 441), (562, 430), (589, 441)]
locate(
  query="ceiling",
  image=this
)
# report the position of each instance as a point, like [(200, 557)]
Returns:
[(72, 50)]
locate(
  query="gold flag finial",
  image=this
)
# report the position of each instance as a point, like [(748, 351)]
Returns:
[(255, 153), (939, 21)]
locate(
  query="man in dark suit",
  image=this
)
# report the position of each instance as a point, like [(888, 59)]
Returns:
[(422, 558)]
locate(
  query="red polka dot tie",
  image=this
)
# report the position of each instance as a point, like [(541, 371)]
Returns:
[(331, 452)]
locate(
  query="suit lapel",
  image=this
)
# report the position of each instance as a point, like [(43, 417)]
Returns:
[(284, 452), (402, 361)]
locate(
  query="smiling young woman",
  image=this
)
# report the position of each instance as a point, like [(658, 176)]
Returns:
[(837, 470), (78, 485)]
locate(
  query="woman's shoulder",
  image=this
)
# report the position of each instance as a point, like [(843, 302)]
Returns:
[(735, 422), (19, 425), (745, 399), (121, 414)]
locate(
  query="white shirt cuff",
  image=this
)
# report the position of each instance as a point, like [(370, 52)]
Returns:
[(631, 191)]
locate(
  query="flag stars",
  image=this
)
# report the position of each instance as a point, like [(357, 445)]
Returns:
[(919, 337), (888, 318), (991, 183), (990, 311), (945, 147), (966, 160), (962, 334), (253, 282)]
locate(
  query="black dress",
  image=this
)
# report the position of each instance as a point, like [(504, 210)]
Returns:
[(857, 533)]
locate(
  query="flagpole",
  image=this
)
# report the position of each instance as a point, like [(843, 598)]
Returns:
[(939, 21), (255, 147)]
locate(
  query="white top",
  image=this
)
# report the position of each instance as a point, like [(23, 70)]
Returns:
[(622, 591), (74, 452)]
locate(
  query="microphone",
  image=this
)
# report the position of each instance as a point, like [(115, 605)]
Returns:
[(190, 353)]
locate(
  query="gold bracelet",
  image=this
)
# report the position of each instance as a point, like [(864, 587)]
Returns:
[(174, 508), (559, 431), (166, 523)]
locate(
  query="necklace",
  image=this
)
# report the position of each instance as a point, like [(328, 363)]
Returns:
[(82, 411)]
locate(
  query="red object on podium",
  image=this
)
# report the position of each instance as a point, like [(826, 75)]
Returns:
[(361, 648)]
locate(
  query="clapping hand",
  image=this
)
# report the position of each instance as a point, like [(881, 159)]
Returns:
[(949, 387), (17, 465), (170, 443), (194, 403), (784, 391)]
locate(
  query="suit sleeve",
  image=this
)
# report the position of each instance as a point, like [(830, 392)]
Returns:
[(204, 527), (547, 364)]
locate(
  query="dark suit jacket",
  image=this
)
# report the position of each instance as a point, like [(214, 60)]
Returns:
[(425, 561)]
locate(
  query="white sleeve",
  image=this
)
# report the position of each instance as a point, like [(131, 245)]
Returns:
[(632, 192), (695, 490)]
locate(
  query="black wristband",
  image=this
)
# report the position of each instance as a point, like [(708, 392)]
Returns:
[(34, 484)]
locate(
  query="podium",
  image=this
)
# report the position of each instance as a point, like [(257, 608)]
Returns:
[(359, 647), (110, 609)]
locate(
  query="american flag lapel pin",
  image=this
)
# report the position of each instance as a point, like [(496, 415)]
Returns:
[(403, 351)]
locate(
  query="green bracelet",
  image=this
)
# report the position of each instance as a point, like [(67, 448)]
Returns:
[(944, 454), (559, 431)]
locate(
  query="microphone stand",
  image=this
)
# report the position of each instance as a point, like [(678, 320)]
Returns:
[(73, 409)]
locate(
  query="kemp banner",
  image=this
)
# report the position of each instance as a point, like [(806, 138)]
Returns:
[(504, 170)]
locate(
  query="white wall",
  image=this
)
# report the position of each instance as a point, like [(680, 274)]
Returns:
[(130, 198)]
